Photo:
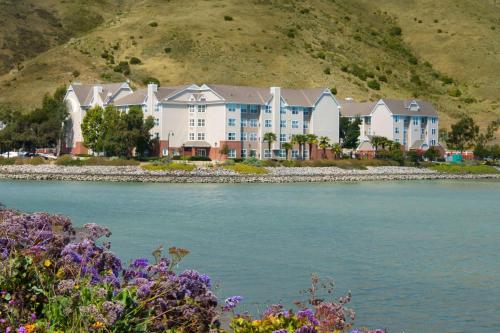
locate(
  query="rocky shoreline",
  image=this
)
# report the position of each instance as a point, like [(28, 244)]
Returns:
[(219, 175)]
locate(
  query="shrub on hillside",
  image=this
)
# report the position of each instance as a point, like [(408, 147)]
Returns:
[(151, 79), (395, 31), (228, 18), (153, 24), (455, 92), (122, 67), (135, 61), (373, 84)]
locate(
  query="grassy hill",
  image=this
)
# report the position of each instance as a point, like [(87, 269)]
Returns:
[(444, 51)]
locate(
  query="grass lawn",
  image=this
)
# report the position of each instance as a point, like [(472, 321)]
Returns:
[(465, 169)]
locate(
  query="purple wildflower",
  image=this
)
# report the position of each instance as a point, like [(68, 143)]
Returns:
[(306, 329), (231, 302), (22, 329), (309, 315), (140, 263)]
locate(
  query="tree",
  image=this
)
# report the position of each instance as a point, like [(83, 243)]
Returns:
[(93, 129), (349, 132), (336, 150), (287, 146), (463, 134), (431, 154), (311, 140), (324, 143), (378, 141), (269, 137), (300, 139)]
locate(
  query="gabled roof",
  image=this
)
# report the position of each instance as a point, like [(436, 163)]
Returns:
[(138, 97), (84, 92), (401, 107), (353, 109), (241, 94), (302, 97), (365, 146)]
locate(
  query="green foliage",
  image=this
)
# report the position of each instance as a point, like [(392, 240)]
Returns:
[(122, 67), (465, 169), (228, 18), (373, 84), (151, 79), (455, 92), (463, 134), (167, 50), (7, 161), (169, 167), (246, 168), (135, 61), (153, 24), (395, 31), (291, 33), (349, 132), (382, 78), (327, 71), (269, 137), (333, 90), (432, 154)]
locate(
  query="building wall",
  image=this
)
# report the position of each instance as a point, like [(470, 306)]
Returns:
[(381, 122), (325, 118)]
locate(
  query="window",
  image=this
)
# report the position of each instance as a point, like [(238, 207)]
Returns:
[(306, 153), (253, 108), (282, 153), (243, 153), (397, 140), (283, 110), (295, 110), (268, 123), (191, 136), (231, 153), (307, 111), (165, 152), (201, 152), (157, 135), (231, 107), (253, 153), (157, 121), (157, 107), (282, 137), (282, 123), (396, 119), (201, 136), (415, 120), (368, 120), (144, 109), (244, 122), (191, 108), (231, 122), (268, 108), (306, 124), (231, 136), (433, 131), (201, 122), (244, 108), (433, 120), (243, 136), (253, 136), (202, 108), (433, 142), (191, 122), (295, 124), (295, 154), (267, 153), (253, 122), (396, 130)]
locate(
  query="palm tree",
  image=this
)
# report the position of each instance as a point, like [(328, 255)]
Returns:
[(378, 141), (336, 150), (287, 146), (299, 139), (269, 137), (311, 140), (324, 143)]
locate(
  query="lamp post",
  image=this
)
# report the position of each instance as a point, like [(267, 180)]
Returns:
[(168, 142)]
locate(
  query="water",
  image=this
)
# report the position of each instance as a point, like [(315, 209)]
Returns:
[(418, 256)]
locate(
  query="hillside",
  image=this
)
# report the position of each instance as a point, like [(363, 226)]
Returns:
[(445, 51)]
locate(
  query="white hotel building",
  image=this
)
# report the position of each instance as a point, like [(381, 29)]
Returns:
[(200, 120)]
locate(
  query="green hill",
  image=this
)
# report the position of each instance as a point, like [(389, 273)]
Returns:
[(444, 51)]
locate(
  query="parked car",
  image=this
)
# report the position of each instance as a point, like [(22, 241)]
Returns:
[(14, 154)]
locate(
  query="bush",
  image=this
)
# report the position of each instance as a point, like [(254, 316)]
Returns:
[(253, 161), (382, 78), (199, 158), (465, 169), (228, 18), (395, 31), (455, 92), (37, 160), (68, 160), (153, 24), (169, 167), (151, 79), (167, 49), (291, 33), (246, 168), (327, 71), (7, 161), (333, 90), (122, 67), (135, 61), (373, 84)]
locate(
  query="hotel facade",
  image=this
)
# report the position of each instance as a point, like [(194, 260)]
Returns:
[(202, 120)]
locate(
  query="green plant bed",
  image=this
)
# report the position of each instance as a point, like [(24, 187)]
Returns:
[(7, 161), (246, 169), (465, 169), (169, 167)]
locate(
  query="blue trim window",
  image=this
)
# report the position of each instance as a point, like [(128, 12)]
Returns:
[(415, 120), (396, 119), (253, 136), (157, 121), (282, 153), (433, 131), (253, 122), (295, 154), (307, 111), (283, 123), (243, 136), (283, 110), (231, 153), (396, 130), (306, 124), (244, 122), (295, 124), (433, 120), (243, 153), (282, 137), (157, 107), (253, 108), (268, 123), (295, 110), (244, 108), (433, 142), (231, 122), (267, 108), (231, 107), (231, 136)]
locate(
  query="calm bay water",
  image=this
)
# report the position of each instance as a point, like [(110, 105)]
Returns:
[(417, 256)]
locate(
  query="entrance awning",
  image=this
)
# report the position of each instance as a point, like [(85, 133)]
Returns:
[(196, 144)]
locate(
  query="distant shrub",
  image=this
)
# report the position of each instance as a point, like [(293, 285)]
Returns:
[(122, 67), (469, 100), (153, 24), (199, 158), (321, 55), (151, 79), (373, 84), (105, 55), (7, 161), (246, 168), (305, 11), (395, 31), (135, 61), (37, 160), (412, 60), (75, 73), (465, 169), (327, 71), (228, 18), (109, 161), (439, 31), (169, 167), (415, 79), (333, 90), (291, 33), (357, 38), (105, 76), (455, 92), (344, 68), (253, 161), (68, 160), (382, 78), (167, 49), (446, 79)]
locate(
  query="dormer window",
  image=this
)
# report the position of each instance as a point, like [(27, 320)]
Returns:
[(414, 106)]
